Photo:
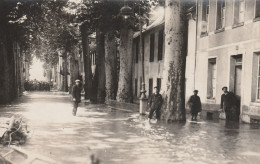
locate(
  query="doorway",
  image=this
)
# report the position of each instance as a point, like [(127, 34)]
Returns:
[(236, 76)]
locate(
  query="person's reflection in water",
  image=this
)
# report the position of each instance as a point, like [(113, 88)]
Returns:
[(230, 139), (232, 125)]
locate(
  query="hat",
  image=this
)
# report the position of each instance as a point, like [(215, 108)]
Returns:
[(195, 90), (224, 88), (77, 80)]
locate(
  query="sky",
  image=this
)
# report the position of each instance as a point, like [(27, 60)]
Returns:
[(36, 70)]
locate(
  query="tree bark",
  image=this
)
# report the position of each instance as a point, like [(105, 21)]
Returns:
[(87, 63), (101, 66), (65, 69), (74, 71), (173, 84), (125, 50), (110, 65)]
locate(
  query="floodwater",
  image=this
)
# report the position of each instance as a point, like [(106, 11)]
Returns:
[(117, 137)]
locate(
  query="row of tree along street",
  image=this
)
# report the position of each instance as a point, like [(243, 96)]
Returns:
[(47, 28)]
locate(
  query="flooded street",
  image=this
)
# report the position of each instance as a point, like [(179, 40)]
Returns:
[(117, 137)]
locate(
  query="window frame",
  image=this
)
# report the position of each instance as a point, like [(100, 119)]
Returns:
[(137, 50), (258, 81), (235, 24), (152, 40), (216, 24), (160, 45), (150, 87), (206, 16), (136, 87), (256, 18), (213, 96), (159, 80)]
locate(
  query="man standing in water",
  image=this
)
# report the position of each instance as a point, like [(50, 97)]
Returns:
[(155, 104), (76, 96), (195, 105), (229, 105)]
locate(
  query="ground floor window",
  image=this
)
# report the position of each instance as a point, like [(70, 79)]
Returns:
[(141, 80), (159, 83), (136, 84), (258, 77), (150, 87), (212, 76)]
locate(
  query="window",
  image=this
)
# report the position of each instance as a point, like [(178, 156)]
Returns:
[(150, 87), (160, 44), (220, 14), (136, 84), (239, 9), (205, 16), (159, 83), (255, 88), (257, 8), (152, 47), (212, 75), (258, 79), (141, 80), (137, 50)]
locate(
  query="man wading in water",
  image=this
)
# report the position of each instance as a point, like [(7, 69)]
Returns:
[(76, 96), (229, 105), (155, 104), (195, 105)]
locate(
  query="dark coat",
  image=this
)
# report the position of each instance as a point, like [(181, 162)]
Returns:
[(76, 93), (195, 104), (230, 105), (228, 101), (155, 101)]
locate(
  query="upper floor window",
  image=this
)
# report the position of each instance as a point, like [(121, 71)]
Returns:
[(205, 16), (257, 8), (239, 11), (221, 7), (152, 47), (160, 44), (137, 49)]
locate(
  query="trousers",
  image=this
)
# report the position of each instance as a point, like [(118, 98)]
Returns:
[(157, 112), (75, 106)]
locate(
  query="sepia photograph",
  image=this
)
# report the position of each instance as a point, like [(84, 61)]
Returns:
[(129, 81)]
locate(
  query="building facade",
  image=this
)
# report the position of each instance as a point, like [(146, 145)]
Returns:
[(153, 50), (223, 50)]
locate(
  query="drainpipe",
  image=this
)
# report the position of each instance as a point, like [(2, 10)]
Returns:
[(195, 65)]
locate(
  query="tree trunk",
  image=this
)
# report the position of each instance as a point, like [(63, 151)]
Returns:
[(74, 71), (174, 62), (65, 69), (87, 63), (110, 65), (101, 93), (125, 51), (8, 85)]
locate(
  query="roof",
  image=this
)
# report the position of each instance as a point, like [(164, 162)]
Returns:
[(159, 21)]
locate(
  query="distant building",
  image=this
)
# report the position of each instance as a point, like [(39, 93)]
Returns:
[(153, 50)]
